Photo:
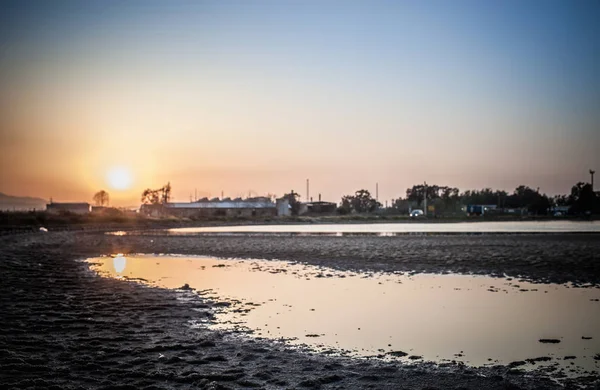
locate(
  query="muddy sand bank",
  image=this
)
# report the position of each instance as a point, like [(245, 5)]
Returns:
[(62, 327), (557, 258)]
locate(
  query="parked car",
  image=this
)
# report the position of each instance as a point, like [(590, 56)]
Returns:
[(416, 213)]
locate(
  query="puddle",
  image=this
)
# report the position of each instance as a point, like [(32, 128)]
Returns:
[(477, 320)]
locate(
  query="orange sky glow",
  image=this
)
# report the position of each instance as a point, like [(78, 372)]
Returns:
[(256, 100)]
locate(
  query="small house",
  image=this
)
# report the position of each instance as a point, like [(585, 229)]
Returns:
[(251, 207), (321, 207)]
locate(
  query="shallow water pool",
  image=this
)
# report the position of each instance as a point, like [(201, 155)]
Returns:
[(477, 320)]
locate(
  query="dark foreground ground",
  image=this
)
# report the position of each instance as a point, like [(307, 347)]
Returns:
[(62, 327)]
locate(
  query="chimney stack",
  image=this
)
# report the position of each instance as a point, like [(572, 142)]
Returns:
[(307, 192)]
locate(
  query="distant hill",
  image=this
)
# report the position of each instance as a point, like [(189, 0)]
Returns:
[(9, 202)]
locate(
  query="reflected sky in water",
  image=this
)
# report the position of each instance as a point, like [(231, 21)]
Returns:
[(475, 319)]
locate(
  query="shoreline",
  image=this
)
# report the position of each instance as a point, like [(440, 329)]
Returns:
[(158, 226), (98, 332), (26, 220), (553, 258)]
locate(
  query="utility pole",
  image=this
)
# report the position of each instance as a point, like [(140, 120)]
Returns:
[(592, 175), (377, 192), (425, 198)]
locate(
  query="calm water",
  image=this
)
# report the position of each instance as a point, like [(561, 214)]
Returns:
[(401, 228), (474, 319)]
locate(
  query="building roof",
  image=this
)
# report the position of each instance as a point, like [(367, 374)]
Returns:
[(244, 204), (321, 203)]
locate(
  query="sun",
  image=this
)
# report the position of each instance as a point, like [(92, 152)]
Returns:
[(119, 178)]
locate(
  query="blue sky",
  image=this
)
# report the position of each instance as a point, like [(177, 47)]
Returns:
[(259, 96)]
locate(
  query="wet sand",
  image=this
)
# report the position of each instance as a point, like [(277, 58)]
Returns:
[(557, 258), (63, 327)]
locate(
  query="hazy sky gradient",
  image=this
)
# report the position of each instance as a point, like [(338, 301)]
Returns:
[(239, 96)]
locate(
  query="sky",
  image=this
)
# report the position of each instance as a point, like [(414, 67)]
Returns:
[(255, 97)]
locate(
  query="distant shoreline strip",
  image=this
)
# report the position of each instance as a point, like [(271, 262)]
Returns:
[(341, 234)]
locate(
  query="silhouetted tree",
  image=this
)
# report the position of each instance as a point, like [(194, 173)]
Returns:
[(360, 202), (560, 200), (101, 198), (416, 193), (532, 200), (583, 199), (450, 197), (150, 196), (485, 196), (161, 195), (401, 205), (166, 193)]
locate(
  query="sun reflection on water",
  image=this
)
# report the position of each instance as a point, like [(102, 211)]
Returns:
[(119, 262)]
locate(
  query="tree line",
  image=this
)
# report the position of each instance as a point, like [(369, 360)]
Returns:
[(582, 199)]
